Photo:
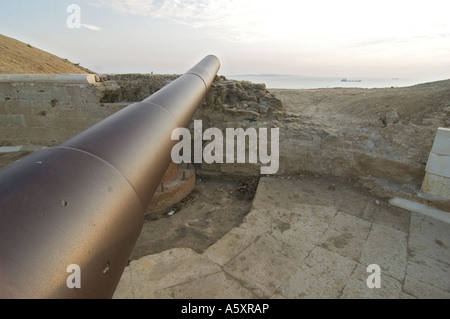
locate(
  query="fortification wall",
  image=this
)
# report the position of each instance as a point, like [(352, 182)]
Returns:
[(42, 113)]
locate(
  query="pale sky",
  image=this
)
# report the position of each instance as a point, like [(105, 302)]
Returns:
[(383, 38)]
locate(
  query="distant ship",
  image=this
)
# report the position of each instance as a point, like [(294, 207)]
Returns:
[(347, 80)]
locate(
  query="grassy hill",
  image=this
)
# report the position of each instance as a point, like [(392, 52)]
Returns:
[(20, 58)]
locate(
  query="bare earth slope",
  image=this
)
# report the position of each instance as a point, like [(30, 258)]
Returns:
[(19, 58), (364, 133), (422, 104)]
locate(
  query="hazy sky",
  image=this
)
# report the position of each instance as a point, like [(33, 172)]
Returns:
[(383, 38)]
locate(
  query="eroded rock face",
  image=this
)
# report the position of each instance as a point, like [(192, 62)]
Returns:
[(227, 100), (132, 87), (239, 104)]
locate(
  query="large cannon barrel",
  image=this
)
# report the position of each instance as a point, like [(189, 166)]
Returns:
[(70, 215)]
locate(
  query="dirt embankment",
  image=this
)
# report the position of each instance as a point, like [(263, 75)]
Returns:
[(20, 58), (424, 104), (378, 136)]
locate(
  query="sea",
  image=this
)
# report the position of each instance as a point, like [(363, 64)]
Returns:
[(279, 81)]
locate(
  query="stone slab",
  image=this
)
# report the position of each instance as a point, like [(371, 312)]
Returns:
[(387, 248), (430, 237), (297, 250), (214, 286), (324, 274), (258, 221), (429, 271), (265, 264), (230, 245), (421, 290), (147, 275), (387, 215), (357, 288), (346, 235), (302, 225)]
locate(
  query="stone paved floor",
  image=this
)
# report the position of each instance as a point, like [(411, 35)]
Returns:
[(305, 239)]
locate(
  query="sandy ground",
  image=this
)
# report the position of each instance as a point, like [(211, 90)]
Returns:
[(208, 213), (422, 104), (215, 207)]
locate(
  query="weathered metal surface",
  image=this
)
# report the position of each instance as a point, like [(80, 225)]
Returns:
[(82, 203)]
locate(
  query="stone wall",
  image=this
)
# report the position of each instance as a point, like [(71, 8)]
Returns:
[(46, 114)]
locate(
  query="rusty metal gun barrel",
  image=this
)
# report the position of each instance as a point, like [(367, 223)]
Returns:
[(70, 215)]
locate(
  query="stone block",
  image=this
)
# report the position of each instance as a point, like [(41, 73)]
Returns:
[(230, 245), (10, 149), (436, 185), (429, 271), (387, 248), (422, 290), (441, 144), (386, 215), (214, 286), (357, 288), (265, 264), (303, 225), (430, 237), (12, 120), (346, 235), (323, 274), (438, 165), (8, 135), (437, 179), (145, 276)]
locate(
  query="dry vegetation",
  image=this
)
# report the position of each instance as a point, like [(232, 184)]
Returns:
[(20, 58)]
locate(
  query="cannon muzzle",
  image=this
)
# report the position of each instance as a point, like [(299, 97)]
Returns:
[(70, 215)]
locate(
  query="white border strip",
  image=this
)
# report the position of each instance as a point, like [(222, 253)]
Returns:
[(44, 78), (421, 209), (10, 149)]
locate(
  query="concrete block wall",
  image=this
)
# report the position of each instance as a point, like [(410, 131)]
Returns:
[(437, 177), (48, 113)]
